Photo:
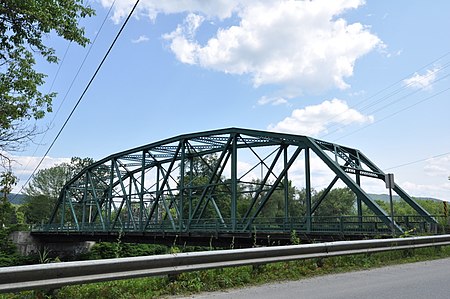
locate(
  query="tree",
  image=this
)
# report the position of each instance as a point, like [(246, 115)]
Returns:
[(338, 202), (43, 190), (197, 179), (23, 24), (49, 181), (7, 211)]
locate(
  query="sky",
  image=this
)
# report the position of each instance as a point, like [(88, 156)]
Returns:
[(371, 75)]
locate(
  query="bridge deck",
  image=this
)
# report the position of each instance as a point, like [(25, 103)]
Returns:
[(216, 233)]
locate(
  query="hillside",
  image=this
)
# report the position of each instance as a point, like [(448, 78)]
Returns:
[(15, 199), (385, 197)]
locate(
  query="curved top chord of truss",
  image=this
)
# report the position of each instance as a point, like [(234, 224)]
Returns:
[(222, 179)]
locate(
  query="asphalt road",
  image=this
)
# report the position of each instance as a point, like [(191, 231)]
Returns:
[(418, 280)]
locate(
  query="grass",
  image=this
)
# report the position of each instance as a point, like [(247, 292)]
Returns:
[(236, 277)]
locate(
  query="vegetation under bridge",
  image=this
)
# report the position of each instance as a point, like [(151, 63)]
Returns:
[(228, 186)]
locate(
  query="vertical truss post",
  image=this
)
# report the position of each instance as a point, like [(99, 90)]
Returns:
[(286, 187), (110, 196), (191, 177), (158, 171), (141, 193), (181, 189), (84, 200), (308, 190), (234, 182), (63, 208), (358, 198), (130, 203)]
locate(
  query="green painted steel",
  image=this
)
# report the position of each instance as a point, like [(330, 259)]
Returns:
[(221, 181)]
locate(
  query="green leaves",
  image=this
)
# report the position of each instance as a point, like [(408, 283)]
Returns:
[(43, 190), (23, 24)]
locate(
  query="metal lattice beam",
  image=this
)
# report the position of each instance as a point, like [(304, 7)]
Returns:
[(195, 182)]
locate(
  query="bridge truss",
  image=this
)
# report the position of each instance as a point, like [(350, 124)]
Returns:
[(219, 183)]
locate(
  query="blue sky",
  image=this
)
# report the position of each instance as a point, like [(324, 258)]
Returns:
[(371, 75)]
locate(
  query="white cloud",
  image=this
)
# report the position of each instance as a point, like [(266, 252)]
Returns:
[(272, 100), (140, 39), (439, 191), (181, 38), (424, 81), (303, 46), (23, 166), (313, 120), (438, 167), (220, 9)]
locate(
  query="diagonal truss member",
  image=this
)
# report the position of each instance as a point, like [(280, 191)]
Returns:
[(215, 179)]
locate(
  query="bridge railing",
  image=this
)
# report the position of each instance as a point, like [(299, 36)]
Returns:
[(318, 224)]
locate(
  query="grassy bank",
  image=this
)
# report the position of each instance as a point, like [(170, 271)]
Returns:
[(220, 279)]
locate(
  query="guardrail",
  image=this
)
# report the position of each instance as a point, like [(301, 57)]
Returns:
[(19, 278)]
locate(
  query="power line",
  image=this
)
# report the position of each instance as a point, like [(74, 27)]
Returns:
[(395, 113), (377, 100), (73, 79), (417, 161), (386, 106), (83, 93)]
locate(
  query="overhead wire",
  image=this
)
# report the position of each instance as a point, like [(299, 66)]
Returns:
[(83, 93), (417, 161), (384, 107), (373, 100), (439, 69), (72, 82), (397, 112)]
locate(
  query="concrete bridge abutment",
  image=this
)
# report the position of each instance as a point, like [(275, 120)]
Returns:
[(28, 244)]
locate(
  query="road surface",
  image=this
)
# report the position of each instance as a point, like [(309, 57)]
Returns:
[(429, 279)]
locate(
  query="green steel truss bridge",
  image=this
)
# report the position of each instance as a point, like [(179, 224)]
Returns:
[(219, 187)]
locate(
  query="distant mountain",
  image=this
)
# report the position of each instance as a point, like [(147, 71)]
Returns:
[(15, 199), (385, 197)]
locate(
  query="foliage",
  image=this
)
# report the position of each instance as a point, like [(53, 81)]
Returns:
[(402, 208), (43, 190), (199, 172), (8, 251), (210, 196), (295, 240), (37, 209), (7, 211), (49, 181), (339, 201), (104, 250), (23, 27)]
